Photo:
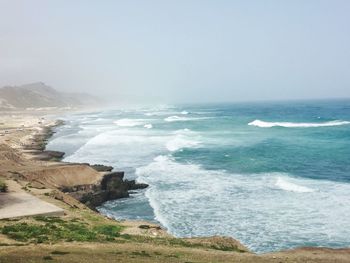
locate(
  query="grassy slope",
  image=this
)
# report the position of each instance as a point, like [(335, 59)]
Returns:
[(127, 252), (85, 236)]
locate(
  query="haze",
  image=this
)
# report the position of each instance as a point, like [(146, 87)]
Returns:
[(179, 51)]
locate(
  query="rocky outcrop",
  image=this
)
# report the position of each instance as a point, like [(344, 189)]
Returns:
[(112, 186), (39, 141), (101, 168), (63, 175), (89, 184), (49, 156), (219, 243)]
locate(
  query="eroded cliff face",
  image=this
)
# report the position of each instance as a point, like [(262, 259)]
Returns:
[(90, 184), (112, 186)]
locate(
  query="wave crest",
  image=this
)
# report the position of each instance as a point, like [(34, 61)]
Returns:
[(291, 187), (179, 142), (266, 124), (181, 118), (129, 122)]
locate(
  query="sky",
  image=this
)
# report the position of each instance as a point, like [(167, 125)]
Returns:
[(175, 51)]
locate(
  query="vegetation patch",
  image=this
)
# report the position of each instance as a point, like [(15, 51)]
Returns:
[(3, 186), (92, 228), (54, 229), (108, 230), (180, 243)]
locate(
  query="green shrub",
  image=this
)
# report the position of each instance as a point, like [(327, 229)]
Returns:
[(108, 230), (3, 186)]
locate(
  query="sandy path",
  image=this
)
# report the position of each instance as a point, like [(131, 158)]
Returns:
[(17, 203)]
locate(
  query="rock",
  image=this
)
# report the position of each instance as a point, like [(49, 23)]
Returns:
[(49, 155), (144, 226), (112, 180), (218, 242), (102, 168), (132, 185), (111, 187)]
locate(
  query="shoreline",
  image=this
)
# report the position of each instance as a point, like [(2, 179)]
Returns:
[(42, 163), (29, 142), (110, 185)]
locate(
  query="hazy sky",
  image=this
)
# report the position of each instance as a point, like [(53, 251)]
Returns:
[(179, 50)]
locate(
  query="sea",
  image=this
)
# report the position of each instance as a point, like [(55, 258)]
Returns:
[(274, 175)]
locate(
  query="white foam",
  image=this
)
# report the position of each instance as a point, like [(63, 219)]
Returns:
[(184, 112), (181, 118), (184, 132), (292, 187), (265, 124), (129, 122), (191, 201), (180, 142), (148, 126), (128, 147), (175, 118)]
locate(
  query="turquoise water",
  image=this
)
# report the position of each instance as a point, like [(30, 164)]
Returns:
[(272, 175)]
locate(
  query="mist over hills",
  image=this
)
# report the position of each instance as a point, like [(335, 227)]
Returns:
[(40, 95)]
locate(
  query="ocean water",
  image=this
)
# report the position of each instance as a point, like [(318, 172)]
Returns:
[(272, 175)]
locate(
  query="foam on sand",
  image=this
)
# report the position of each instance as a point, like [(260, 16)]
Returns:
[(266, 124)]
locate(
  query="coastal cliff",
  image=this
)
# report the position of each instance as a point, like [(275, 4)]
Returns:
[(90, 184), (111, 187)]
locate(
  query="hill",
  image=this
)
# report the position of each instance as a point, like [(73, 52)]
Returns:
[(39, 95)]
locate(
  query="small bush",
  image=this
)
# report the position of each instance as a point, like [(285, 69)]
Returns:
[(108, 230), (3, 186)]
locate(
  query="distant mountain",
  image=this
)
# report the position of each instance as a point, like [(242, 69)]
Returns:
[(39, 95)]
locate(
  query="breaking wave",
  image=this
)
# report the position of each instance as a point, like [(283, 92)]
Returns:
[(266, 124), (180, 142), (292, 187), (129, 122), (181, 118)]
